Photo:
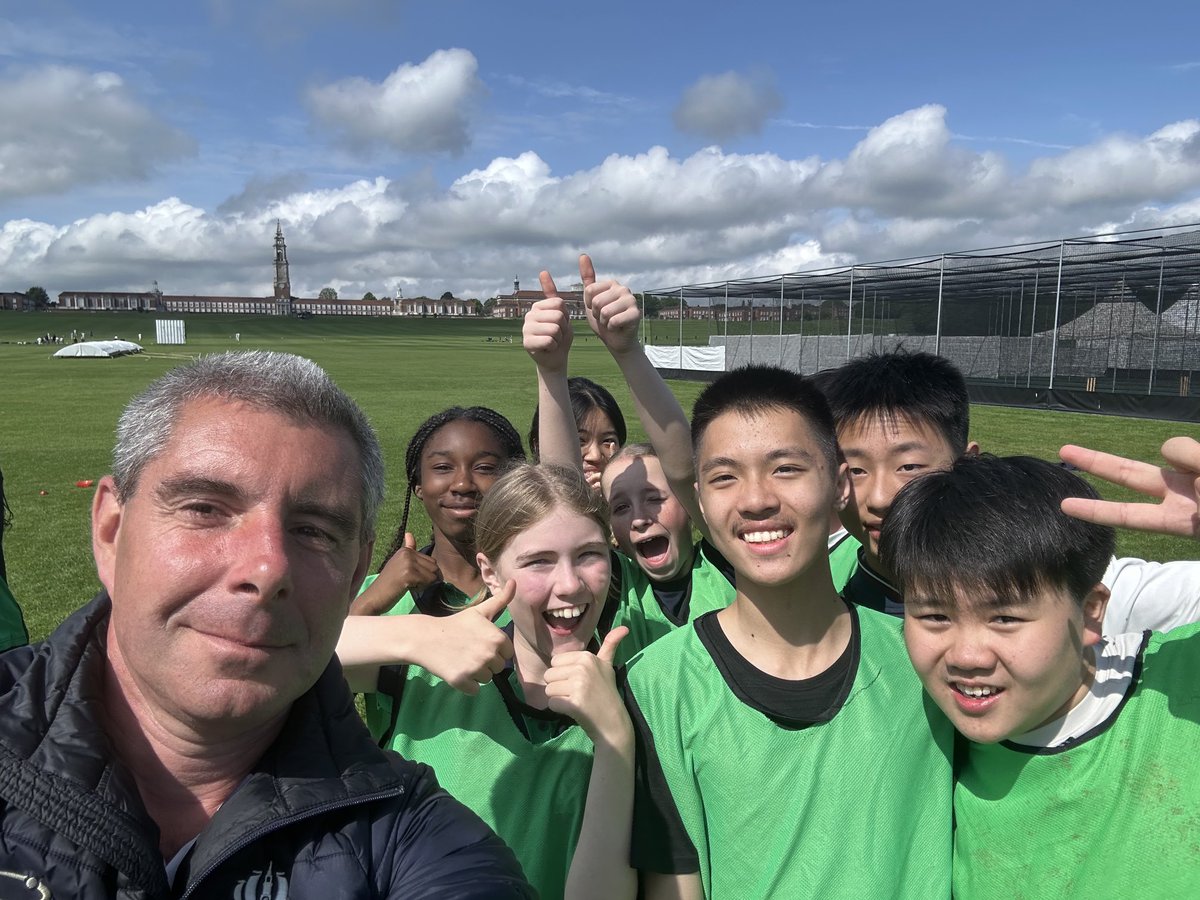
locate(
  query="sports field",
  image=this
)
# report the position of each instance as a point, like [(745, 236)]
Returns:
[(59, 417)]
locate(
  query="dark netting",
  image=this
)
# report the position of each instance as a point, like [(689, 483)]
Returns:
[(1117, 313)]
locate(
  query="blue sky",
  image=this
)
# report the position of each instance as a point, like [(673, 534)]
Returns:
[(453, 145)]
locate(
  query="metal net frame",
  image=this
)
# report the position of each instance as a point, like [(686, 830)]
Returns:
[(1116, 313)]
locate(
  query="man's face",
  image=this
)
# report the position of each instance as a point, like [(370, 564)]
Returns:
[(883, 456), (765, 488), (232, 565), (650, 524), (1000, 669)]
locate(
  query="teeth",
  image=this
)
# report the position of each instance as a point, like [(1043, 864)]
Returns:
[(567, 612), (762, 537), (977, 692)]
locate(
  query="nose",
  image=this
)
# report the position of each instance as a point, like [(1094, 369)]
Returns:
[(567, 582), (969, 651), (464, 481), (591, 453), (756, 497), (879, 492), (260, 565)]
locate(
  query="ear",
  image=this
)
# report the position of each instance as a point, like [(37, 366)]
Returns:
[(489, 574), (107, 512), (1094, 605), (416, 489), (699, 502), (841, 486), (972, 449)]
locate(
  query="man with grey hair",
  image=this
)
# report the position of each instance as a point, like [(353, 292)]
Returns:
[(188, 732)]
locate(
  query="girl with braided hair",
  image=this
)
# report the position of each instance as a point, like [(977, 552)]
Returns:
[(451, 462)]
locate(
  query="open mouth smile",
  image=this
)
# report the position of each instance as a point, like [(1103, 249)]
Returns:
[(565, 620)]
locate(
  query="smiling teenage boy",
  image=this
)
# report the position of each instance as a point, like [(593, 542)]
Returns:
[(759, 726), (898, 415), (1081, 777)]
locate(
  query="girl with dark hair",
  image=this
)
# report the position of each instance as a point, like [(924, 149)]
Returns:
[(451, 462), (600, 424)]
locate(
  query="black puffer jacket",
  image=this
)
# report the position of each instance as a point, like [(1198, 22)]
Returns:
[(325, 814)]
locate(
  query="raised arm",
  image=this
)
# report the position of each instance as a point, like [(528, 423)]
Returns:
[(1176, 486), (613, 314), (464, 649), (546, 336)]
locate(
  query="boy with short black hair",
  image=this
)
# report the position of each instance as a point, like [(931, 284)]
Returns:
[(898, 415), (774, 760), (1081, 777), (901, 415)]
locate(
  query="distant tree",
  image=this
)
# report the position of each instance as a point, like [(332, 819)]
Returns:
[(488, 305), (449, 295), (476, 307), (368, 296), (37, 297), (327, 293), (650, 305)]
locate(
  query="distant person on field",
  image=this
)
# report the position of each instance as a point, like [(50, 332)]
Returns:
[(1081, 776), (188, 731)]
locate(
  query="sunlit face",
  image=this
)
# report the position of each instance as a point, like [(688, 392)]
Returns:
[(232, 565), (648, 521), (766, 489), (459, 464), (883, 456), (561, 568), (1000, 669), (598, 442)]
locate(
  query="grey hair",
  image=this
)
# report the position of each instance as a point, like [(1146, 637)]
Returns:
[(277, 382)]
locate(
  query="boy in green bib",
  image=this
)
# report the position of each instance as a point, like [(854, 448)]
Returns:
[(774, 758), (1081, 776), (901, 415)]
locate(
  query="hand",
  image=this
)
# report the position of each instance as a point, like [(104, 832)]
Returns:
[(407, 570), (612, 309), (1177, 486), (547, 333), (582, 685), (466, 649)]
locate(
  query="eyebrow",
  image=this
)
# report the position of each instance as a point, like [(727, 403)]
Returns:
[(475, 456), (716, 462), (546, 551), (337, 515), (982, 600), (906, 447)]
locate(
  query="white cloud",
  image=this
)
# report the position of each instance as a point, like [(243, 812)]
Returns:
[(65, 127), (421, 108), (720, 107), (651, 219)]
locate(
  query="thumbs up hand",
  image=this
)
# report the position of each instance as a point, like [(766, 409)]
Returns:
[(583, 685)]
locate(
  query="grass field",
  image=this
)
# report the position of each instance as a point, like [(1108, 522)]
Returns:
[(59, 417)]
